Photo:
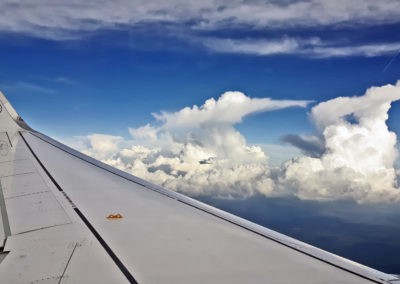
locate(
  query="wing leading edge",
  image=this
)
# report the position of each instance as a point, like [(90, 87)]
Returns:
[(55, 202)]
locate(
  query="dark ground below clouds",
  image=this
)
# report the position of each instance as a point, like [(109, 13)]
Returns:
[(368, 234)]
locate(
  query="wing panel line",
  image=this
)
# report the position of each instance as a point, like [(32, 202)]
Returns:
[(9, 140), (4, 215), (66, 266), (185, 200), (103, 243)]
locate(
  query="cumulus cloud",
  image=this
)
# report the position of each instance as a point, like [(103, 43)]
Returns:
[(230, 108), (195, 150), (360, 150), (102, 145), (198, 151)]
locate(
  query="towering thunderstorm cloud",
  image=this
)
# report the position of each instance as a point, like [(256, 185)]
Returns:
[(360, 151), (197, 150)]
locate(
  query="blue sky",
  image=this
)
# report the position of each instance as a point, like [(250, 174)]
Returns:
[(92, 74), (76, 73), (91, 85), (76, 70)]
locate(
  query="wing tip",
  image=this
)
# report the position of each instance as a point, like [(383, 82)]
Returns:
[(13, 113)]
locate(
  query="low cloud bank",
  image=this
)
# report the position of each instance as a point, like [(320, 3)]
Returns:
[(198, 151), (195, 150)]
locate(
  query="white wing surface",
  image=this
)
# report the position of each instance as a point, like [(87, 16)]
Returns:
[(68, 218)]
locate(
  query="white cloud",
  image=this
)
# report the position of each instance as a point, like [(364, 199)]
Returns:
[(373, 106), (229, 109), (195, 150), (278, 154), (312, 47), (367, 50), (146, 132), (198, 151), (102, 145), (256, 47), (360, 151), (65, 19), (307, 13)]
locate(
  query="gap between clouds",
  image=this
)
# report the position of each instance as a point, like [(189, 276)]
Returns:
[(198, 151)]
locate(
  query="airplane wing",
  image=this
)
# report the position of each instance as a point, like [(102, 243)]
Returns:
[(68, 218)]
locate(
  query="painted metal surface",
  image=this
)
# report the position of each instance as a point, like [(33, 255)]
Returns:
[(58, 201), (162, 240), (44, 241), (4, 225), (60, 254), (280, 238), (20, 185), (34, 212)]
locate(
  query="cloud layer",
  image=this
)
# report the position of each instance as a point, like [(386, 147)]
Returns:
[(62, 18), (312, 47), (66, 20), (197, 150)]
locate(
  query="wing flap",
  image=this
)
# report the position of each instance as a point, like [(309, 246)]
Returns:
[(35, 211), (20, 185), (23, 263), (60, 254)]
